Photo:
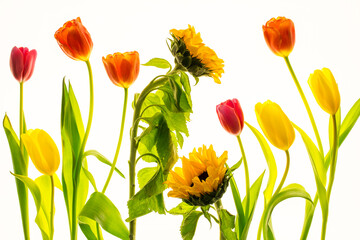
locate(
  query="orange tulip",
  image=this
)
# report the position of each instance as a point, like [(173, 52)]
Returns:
[(122, 68), (279, 35), (74, 40)]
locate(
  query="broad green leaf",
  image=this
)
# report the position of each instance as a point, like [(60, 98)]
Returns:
[(254, 194), (293, 190), (270, 160), (185, 82), (227, 225), (42, 219), (145, 174), (205, 211), (158, 62), (102, 159), (188, 225), (346, 126), (317, 163), (100, 209), (182, 209)]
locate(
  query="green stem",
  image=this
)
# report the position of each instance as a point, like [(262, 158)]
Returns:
[(133, 146), (247, 178), (119, 142), (81, 152), (218, 206), (332, 173), (21, 188), (281, 184), (306, 105), (52, 208)]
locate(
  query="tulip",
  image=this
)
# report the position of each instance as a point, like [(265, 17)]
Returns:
[(231, 116), (325, 90), (279, 35), (275, 125), (122, 68), (22, 62), (75, 40), (42, 151)]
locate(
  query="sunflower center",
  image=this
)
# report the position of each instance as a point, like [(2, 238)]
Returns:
[(202, 177)]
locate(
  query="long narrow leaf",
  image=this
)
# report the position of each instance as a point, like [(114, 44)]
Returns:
[(102, 159)]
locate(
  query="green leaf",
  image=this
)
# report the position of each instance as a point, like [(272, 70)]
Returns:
[(188, 225), (293, 190), (100, 209), (254, 194), (158, 62), (317, 163), (227, 224), (236, 165), (270, 160), (205, 211), (145, 174), (182, 209), (102, 159), (240, 218), (90, 177)]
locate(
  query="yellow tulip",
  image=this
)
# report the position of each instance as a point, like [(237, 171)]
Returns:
[(325, 90), (42, 151), (275, 124)]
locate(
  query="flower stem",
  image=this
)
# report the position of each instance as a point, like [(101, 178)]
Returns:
[(81, 152), (285, 173), (21, 188), (332, 172), (306, 105), (219, 207), (52, 212), (247, 178), (133, 146), (119, 142)]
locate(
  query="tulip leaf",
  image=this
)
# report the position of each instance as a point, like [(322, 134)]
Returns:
[(293, 190), (188, 225), (182, 209), (158, 62), (254, 194), (270, 160), (102, 159), (227, 225), (90, 177), (99, 208), (317, 163)]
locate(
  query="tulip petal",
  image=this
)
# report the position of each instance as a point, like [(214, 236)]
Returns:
[(29, 65), (17, 63)]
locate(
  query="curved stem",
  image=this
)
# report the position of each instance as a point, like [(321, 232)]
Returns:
[(247, 178), (218, 206), (133, 146), (52, 212), (119, 142), (306, 105), (81, 152), (285, 173), (21, 188)]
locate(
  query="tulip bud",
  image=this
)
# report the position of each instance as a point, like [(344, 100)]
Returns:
[(231, 116), (22, 62), (279, 35), (122, 68), (275, 125), (325, 90), (74, 40), (42, 151)]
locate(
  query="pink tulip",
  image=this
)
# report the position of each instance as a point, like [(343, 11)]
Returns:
[(22, 62), (231, 116)]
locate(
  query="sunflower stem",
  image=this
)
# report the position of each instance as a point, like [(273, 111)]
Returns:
[(247, 178), (318, 139), (219, 207)]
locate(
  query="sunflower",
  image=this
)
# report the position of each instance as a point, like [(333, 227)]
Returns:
[(203, 178), (192, 54)]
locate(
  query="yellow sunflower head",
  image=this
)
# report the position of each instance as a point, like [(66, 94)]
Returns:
[(203, 178), (192, 54)]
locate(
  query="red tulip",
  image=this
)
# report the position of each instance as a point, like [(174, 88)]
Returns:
[(231, 116), (22, 62), (279, 35)]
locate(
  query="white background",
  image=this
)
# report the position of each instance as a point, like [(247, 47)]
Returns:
[(327, 35)]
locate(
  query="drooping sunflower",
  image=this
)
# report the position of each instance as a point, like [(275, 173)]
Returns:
[(203, 178), (192, 54)]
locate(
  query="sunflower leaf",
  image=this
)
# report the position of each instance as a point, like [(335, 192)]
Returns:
[(182, 209), (188, 225), (227, 225), (158, 62)]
